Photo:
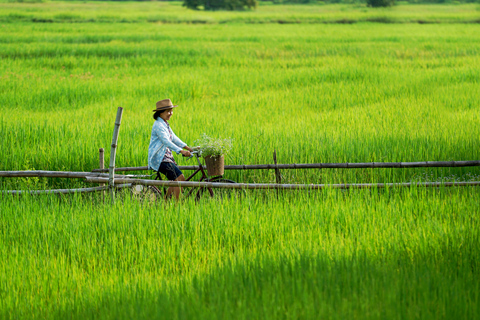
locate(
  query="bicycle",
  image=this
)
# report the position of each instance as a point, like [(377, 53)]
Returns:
[(154, 193)]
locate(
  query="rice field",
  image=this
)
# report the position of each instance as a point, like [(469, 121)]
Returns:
[(173, 12), (311, 90), (407, 255)]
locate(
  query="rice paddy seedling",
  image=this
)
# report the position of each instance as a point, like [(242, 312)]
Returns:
[(363, 253)]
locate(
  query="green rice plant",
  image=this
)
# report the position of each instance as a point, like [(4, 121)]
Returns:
[(365, 92), (396, 253)]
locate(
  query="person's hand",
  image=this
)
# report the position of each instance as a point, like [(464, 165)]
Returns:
[(186, 153), (188, 148)]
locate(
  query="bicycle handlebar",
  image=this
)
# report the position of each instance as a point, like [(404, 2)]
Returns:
[(196, 151)]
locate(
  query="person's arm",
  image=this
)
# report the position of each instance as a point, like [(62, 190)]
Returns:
[(177, 141), (162, 133), (182, 144)]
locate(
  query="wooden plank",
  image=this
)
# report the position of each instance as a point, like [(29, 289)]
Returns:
[(50, 174), (62, 191), (193, 184), (131, 169), (357, 165), (60, 174)]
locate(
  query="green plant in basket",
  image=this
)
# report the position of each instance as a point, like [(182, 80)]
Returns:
[(213, 147), (213, 151)]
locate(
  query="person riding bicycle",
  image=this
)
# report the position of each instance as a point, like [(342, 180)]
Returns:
[(162, 142)]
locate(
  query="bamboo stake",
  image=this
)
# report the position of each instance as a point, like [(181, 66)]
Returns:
[(218, 185), (278, 177), (111, 167), (62, 191), (101, 159), (101, 152), (358, 165)]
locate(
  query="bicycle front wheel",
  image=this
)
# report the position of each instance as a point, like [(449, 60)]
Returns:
[(219, 192), (146, 194)]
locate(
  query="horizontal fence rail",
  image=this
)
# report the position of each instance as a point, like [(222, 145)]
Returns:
[(98, 176), (63, 191), (193, 184), (59, 174), (355, 165)]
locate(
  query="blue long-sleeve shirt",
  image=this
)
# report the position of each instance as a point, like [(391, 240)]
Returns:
[(159, 141)]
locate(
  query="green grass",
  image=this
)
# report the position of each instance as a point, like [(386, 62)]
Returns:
[(314, 92), (173, 12), (407, 254)]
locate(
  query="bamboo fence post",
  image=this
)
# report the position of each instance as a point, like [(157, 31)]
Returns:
[(101, 159), (111, 167), (278, 177)]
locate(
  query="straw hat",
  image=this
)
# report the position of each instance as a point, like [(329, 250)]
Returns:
[(164, 105)]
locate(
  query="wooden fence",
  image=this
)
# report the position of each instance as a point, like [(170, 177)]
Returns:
[(64, 191), (61, 174), (120, 181), (218, 185), (347, 165)]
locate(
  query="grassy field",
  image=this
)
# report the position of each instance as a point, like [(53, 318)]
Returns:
[(173, 12), (411, 254), (313, 91)]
